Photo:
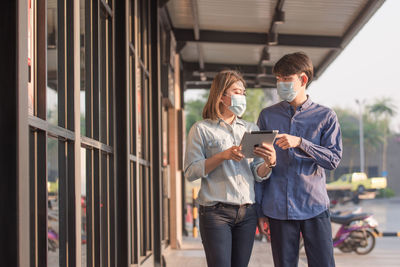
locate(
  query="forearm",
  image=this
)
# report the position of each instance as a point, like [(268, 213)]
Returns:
[(213, 162), (327, 158), (263, 170)]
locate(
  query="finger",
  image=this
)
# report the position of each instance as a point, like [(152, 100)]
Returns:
[(266, 148), (279, 135), (286, 146), (266, 151), (263, 152), (279, 141), (261, 228), (238, 154), (281, 144)]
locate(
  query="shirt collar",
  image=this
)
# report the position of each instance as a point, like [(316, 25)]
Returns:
[(304, 106), (235, 121)]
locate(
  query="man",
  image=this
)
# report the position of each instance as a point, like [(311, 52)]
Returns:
[(294, 198)]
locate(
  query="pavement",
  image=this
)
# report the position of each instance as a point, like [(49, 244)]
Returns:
[(192, 254), (385, 254)]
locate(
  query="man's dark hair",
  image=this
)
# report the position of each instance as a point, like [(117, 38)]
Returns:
[(295, 63)]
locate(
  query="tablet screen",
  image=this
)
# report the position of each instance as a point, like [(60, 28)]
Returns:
[(256, 138)]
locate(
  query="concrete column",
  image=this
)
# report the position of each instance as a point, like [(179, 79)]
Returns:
[(175, 172)]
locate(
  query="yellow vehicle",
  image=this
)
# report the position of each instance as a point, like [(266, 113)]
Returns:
[(358, 182), (353, 186)]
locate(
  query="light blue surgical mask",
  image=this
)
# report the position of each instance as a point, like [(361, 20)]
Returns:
[(286, 91), (238, 105)]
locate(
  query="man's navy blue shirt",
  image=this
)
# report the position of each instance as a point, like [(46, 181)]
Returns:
[(296, 189)]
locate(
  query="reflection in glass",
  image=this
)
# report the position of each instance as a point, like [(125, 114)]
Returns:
[(83, 208), (31, 62), (53, 255), (82, 62), (51, 92), (139, 112)]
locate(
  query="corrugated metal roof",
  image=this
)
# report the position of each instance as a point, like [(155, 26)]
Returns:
[(327, 17), (235, 31)]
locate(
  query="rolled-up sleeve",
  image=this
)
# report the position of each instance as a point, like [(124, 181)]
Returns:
[(329, 153), (194, 167), (259, 194), (257, 162)]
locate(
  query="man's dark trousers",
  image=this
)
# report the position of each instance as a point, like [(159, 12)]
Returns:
[(317, 235)]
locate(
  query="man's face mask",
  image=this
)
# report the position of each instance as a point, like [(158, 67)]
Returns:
[(286, 90)]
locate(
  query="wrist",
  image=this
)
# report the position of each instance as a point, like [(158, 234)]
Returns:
[(270, 165), (299, 142)]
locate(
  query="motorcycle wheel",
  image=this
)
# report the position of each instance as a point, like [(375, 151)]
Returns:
[(370, 238)]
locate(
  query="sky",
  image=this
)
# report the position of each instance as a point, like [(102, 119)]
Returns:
[(367, 69)]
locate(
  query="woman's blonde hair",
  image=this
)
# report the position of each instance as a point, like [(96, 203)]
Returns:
[(222, 81)]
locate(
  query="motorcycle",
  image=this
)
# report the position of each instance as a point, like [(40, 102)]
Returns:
[(356, 233)]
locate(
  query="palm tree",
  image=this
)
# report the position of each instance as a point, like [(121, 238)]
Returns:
[(349, 128), (383, 109)]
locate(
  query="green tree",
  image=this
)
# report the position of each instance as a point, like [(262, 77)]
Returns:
[(350, 133), (349, 125), (372, 136), (256, 101), (194, 110), (383, 110)]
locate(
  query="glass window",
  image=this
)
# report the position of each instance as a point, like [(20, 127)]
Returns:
[(83, 208), (31, 62), (82, 64), (52, 63), (53, 255)]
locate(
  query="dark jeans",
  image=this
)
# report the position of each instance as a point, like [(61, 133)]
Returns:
[(317, 235), (227, 232)]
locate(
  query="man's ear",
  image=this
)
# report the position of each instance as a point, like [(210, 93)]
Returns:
[(304, 80)]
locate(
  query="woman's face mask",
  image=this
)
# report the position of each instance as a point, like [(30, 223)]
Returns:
[(238, 105)]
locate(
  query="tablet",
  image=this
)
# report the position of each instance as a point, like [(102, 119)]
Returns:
[(254, 139)]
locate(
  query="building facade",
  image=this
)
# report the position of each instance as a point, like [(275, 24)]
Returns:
[(97, 126)]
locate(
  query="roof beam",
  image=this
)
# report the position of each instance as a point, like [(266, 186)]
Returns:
[(212, 67), (196, 32), (206, 36), (206, 85)]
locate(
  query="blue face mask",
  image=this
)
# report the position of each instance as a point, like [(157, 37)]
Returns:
[(238, 105), (286, 91)]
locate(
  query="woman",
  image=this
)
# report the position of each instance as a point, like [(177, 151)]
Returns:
[(228, 216)]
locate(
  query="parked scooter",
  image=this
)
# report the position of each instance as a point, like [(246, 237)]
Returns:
[(356, 233)]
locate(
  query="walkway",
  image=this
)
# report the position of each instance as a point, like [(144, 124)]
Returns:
[(192, 254)]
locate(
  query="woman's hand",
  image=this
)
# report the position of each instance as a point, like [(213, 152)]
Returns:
[(263, 225), (233, 153), (267, 152)]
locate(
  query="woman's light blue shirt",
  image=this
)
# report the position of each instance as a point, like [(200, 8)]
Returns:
[(231, 182)]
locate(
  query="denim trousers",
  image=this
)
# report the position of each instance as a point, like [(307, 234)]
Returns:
[(317, 236), (227, 233)]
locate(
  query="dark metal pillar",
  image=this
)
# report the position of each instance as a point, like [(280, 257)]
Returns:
[(156, 129), (121, 132), (14, 183)]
